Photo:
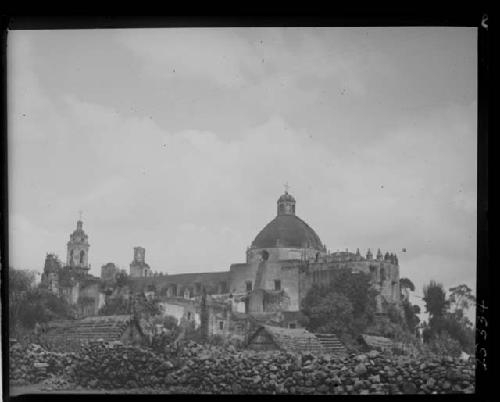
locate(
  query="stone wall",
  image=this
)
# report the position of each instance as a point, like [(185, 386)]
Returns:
[(225, 370), (240, 274)]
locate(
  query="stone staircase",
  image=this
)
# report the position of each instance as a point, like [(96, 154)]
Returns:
[(331, 344)]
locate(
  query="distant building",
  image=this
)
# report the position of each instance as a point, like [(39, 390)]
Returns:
[(138, 267)]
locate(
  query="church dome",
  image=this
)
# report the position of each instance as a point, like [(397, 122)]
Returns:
[(287, 230)]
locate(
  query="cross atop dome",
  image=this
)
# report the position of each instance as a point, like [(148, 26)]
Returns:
[(287, 187)]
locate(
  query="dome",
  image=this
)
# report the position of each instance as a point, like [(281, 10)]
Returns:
[(287, 231)]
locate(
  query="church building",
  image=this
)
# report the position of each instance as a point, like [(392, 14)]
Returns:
[(283, 262)]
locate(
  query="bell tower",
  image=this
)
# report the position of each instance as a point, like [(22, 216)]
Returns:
[(78, 248)]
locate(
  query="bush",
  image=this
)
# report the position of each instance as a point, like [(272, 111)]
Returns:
[(38, 306), (454, 329), (345, 306), (444, 344)]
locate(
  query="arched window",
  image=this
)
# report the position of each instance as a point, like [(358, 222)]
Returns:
[(82, 254), (71, 257)]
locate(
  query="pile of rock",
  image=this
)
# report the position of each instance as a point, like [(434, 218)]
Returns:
[(216, 369), (33, 364), (283, 373), (103, 365), (56, 382)]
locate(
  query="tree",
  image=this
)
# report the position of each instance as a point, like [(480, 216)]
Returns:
[(405, 283), (330, 312), (446, 316), (355, 286), (40, 306), (29, 305), (20, 280), (345, 305), (460, 300), (411, 318), (435, 299)]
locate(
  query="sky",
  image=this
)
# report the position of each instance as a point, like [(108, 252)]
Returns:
[(181, 140)]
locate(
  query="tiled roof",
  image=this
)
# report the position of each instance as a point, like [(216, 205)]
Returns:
[(108, 328)]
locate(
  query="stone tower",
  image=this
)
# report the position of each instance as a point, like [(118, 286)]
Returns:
[(78, 248), (138, 266)]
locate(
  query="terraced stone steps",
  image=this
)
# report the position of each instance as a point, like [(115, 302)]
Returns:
[(331, 344)]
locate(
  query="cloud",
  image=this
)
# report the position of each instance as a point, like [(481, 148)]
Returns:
[(242, 58), (196, 197)]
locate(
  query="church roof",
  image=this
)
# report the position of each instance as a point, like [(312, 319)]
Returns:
[(287, 231)]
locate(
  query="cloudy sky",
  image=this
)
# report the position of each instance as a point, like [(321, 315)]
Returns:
[(180, 141)]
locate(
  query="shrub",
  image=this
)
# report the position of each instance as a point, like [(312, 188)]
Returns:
[(444, 344)]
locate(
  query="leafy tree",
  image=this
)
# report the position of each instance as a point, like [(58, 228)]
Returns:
[(405, 283), (411, 318), (330, 312), (446, 316), (461, 299), (40, 306), (29, 305), (345, 305), (435, 299), (20, 280), (355, 286)]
